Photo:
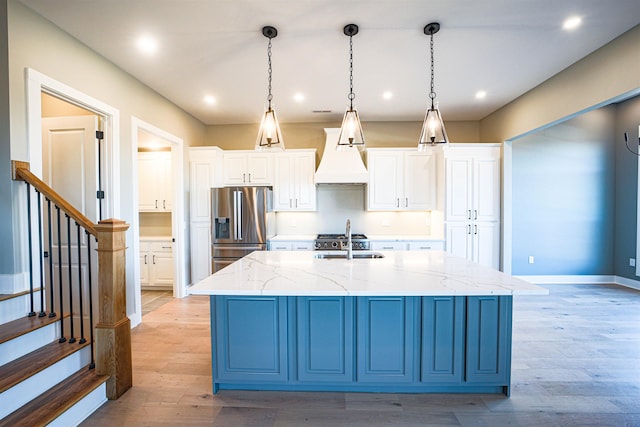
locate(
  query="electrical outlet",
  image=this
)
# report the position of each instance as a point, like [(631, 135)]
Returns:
[(531, 259), (632, 262)]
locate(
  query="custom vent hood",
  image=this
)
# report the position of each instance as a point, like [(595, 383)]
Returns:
[(340, 167)]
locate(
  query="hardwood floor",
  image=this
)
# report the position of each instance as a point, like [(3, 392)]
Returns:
[(576, 362)]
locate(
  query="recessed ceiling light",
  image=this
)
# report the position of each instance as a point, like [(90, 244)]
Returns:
[(387, 95), (298, 97), (209, 100), (481, 94), (147, 44), (571, 23)]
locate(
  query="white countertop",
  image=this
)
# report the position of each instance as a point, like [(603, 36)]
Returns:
[(385, 237), (399, 273)]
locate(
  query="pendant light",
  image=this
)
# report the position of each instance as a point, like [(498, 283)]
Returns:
[(433, 131), (351, 130), (269, 135)]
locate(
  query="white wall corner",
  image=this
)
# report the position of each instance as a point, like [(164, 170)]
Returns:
[(570, 279)]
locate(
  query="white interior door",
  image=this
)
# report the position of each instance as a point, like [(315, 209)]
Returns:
[(69, 166)]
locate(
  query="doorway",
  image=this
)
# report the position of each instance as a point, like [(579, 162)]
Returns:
[(161, 215)]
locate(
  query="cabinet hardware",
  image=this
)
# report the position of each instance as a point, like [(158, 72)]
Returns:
[(469, 229), (469, 214), (244, 177), (296, 203), (249, 177), (154, 258), (475, 214), (406, 202), (475, 229), (164, 204), (290, 203), (397, 203), (387, 247), (156, 204), (145, 259), (166, 247)]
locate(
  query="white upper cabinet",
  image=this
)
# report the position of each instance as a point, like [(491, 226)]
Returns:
[(294, 188), (473, 184), (248, 168), (154, 181), (401, 180)]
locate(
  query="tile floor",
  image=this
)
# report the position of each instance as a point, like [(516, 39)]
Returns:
[(152, 300), (576, 362)]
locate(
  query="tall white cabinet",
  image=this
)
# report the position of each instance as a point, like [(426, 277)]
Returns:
[(472, 202), (205, 172), (154, 181)]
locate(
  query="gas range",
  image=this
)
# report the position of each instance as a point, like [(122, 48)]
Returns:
[(335, 242)]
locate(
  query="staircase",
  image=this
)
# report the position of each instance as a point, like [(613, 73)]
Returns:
[(57, 363)]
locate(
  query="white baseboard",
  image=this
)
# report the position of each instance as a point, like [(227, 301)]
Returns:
[(582, 280), (13, 283)]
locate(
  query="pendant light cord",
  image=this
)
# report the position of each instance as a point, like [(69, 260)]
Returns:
[(270, 96), (432, 94), (352, 95)]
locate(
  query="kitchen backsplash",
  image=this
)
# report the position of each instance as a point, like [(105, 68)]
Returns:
[(339, 202), (155, 224)]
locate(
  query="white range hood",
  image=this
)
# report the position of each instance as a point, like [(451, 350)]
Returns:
[(340, 167)]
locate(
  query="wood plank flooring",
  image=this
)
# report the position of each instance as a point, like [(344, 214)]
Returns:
[(576, 362)]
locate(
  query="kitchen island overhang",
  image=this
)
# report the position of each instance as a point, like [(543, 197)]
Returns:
[(413, 321)]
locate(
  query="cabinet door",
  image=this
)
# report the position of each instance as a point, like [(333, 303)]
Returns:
[(200, 251), (486, 244), (486, 188), (161, 270), (144, 267), (325, 339), (443, 340), (251, 337), (235, 165), (386, 339), (303, 246), (419, 182), (200, 190), (458, 189), (147, 182), (304, 181), (488, 351), (459, 241), (385, 178), (259, 170), (165, 183), (283, 182)]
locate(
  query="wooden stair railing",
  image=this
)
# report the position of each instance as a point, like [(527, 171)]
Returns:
[(113, 328)]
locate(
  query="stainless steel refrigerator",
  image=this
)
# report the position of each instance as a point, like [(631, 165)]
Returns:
[(242, 222)]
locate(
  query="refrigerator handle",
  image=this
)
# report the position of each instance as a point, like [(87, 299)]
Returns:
[(235, 215), (239, 216)]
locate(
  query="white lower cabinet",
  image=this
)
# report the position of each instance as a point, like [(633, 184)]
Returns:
[(156, 264), (478, 242), (291, 245), (407, 245)]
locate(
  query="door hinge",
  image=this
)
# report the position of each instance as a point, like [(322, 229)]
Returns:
[(100, 194), (99, 134)]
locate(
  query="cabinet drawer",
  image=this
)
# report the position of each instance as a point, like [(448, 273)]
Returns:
[(388, 246), (426, 246), (280, 246), (160, 246)]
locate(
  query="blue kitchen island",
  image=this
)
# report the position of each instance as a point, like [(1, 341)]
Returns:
[(413, 321)]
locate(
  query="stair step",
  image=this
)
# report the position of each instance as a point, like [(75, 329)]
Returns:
[(54, 402), (24, 325), (30, 364)]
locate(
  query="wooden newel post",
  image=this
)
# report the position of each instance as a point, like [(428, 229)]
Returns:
[(113, 331)]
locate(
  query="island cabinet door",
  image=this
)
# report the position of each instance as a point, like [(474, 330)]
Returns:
[(443, 340), (251, 339), (387, 339), (325, 339), (488, 340)]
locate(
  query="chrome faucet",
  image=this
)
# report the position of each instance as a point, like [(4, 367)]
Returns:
[(349, 244)]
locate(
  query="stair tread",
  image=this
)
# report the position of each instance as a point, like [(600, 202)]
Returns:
[(30, 364), (24, 325), (55, 401), (4, 297)]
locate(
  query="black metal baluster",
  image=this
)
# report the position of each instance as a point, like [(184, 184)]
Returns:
[(52, 309), (32, 311), (60, 287), (42, 312), (80, 284), (72, 337), (93, 362)]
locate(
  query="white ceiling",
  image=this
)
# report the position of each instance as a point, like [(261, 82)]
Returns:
[(216, 47)]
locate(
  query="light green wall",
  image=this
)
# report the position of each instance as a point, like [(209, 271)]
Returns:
[(594, 81)]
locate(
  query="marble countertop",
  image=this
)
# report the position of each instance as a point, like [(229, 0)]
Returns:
[(385, 237), (399, 273)]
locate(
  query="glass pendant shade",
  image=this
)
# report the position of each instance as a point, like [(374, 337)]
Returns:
[(269, 135), (351, 131), (433, 131)]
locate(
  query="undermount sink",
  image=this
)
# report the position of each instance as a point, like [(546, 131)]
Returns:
[(367, 255)]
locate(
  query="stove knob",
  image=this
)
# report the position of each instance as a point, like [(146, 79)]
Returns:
[(334, 244)]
